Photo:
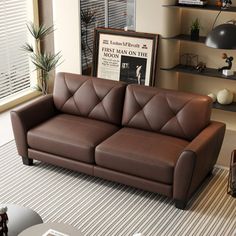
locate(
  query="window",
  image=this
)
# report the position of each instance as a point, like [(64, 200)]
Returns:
[(14, 62), (102, 13), (121, 14)]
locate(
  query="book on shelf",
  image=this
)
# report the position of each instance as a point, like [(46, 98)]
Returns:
[(193, 2)]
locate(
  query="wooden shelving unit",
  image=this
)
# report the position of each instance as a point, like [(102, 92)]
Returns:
[(206, 8), (230, 107), (208, 72), (186, 37)]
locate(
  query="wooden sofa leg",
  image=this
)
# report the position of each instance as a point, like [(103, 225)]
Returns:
[(27, 161), (180, 204)]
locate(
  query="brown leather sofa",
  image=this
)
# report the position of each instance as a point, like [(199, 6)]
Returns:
[(154, 139)]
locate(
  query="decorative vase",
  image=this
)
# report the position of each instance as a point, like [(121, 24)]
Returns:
[(3, 221), (225, 97), (195, 35), (212, 96)]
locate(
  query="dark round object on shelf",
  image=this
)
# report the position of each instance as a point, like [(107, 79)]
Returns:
[(222, 36)]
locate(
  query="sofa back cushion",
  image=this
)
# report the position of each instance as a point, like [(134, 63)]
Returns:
[(169, 112), (89, 97)]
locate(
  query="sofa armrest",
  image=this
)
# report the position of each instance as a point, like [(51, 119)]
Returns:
[(29, 115), (197, 160)]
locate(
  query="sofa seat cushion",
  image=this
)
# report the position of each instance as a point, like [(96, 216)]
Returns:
[(141, 153), (70, 136)]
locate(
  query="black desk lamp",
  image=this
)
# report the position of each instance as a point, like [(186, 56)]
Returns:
[(223, 37)]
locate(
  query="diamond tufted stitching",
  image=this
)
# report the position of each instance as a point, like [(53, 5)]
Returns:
[(64, 80), (100, 101), (166, 111), (154, 102), (89, 97), (97, 102), (72, 95), (141, 110), (174, 116), (142, 107)]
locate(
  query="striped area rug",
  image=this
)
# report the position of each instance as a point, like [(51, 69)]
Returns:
[(99, 207)]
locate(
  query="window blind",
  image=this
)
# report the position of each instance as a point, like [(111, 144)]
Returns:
[(116, 19), (14, 62), (99, 8), (117, 13)]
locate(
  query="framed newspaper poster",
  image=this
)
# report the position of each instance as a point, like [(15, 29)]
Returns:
[(125, 56)]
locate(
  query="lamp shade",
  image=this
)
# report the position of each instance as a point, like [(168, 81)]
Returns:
[(222, 37)]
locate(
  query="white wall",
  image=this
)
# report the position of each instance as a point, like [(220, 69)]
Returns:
[(151, 17), (66, 17)]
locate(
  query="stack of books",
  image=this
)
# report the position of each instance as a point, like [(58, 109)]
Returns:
[(193, 2)]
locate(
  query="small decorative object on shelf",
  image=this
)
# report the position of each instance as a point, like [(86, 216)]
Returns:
[(218, 3), (201, 66), (212, 96), (3, 221), (193, 2), (224, 97), (231, 188), (226, 70), (226, 4), (189, 59), (195, 28)]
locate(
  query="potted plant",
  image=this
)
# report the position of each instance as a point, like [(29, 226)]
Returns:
[(195, 28), (43, 61)]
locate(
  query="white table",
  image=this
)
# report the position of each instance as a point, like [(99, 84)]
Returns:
[(20, 218), (40, 229)]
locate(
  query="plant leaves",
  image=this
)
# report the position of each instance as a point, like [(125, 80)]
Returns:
[(46, 61), (39, 32), (28, 48), (88, 16), (37, 88)]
